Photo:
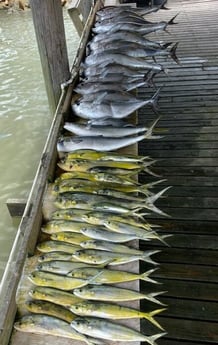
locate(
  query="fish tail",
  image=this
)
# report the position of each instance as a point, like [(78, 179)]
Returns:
[(152, 338), (145, 276), (149, 317), (148, 134), (171, 21), (145, 187), (173, 53), (149, 171), (162, 239), (146, 257), (166, 45), (154, 102), (149, 78), (151, 200), (151, 297)]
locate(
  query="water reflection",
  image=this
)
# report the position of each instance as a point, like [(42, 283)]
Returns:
[(24, 113)]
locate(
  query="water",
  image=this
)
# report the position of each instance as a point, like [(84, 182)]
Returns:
[(24, 113)]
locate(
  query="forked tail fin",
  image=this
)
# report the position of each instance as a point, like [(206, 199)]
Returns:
[(145, 276), (173, 53), (149, 317), (152, 338)]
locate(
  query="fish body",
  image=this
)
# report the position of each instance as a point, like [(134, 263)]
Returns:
[(44, 324), (113, 294), (106, 58), (110, 246), (115, 110), (57, 281), (72, 214), (112, 311), (49, 308), (60, 256), (84, 165), (96, 256), (68, 144), (100, 218), (98, 177), (57, 296), (60, 225), (120, 36), (55, 246), (89, 201), (89, 87), (107, 276), (105, 156), (105, 131), (108, 330), (60, 266), (114, 68), (105, 235), (69, 237), (105, 188)]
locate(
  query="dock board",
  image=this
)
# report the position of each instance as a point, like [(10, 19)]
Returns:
[(187, 157)]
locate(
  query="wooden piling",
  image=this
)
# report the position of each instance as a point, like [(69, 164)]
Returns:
[(50, 35)]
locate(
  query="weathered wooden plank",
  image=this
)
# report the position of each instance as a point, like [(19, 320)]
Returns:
[(191, 330), (193, 272), (16, 207), (196, 310), (50, 37), (179, 252), (189, 290)]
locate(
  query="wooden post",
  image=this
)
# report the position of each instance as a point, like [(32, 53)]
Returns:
[(49, 29)]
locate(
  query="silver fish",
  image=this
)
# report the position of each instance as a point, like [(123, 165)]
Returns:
[(122, 36), (142, 29), (100, 328), (106, 58), (114, 68), (92, 110), (87, 87), (105, 131), (69, 144)]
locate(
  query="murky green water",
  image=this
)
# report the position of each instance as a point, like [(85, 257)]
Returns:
[(24, 113)]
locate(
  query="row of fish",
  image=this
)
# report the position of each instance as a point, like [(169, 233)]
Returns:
[(118, 61), (73, 277), (100, 206)]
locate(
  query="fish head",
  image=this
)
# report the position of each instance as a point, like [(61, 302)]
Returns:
[(83, 308), (84, 292), (26, 321), (80, 324)]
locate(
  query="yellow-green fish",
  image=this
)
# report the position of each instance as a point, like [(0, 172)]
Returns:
[(71, 214), (98, 155), (57, 246), (113, 311), (69, 237), (114, 294), (113, 247), (49, 325), (61, 256), (49, 308), (105, 329), (95, 256), (57, 296), (61, 266), (57, 281), (105, 188), (98, 177), (108, 276), (99, 218), (83, 165), (58, 225)]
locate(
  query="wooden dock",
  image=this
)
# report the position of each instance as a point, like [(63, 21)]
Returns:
[(187, 156)]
